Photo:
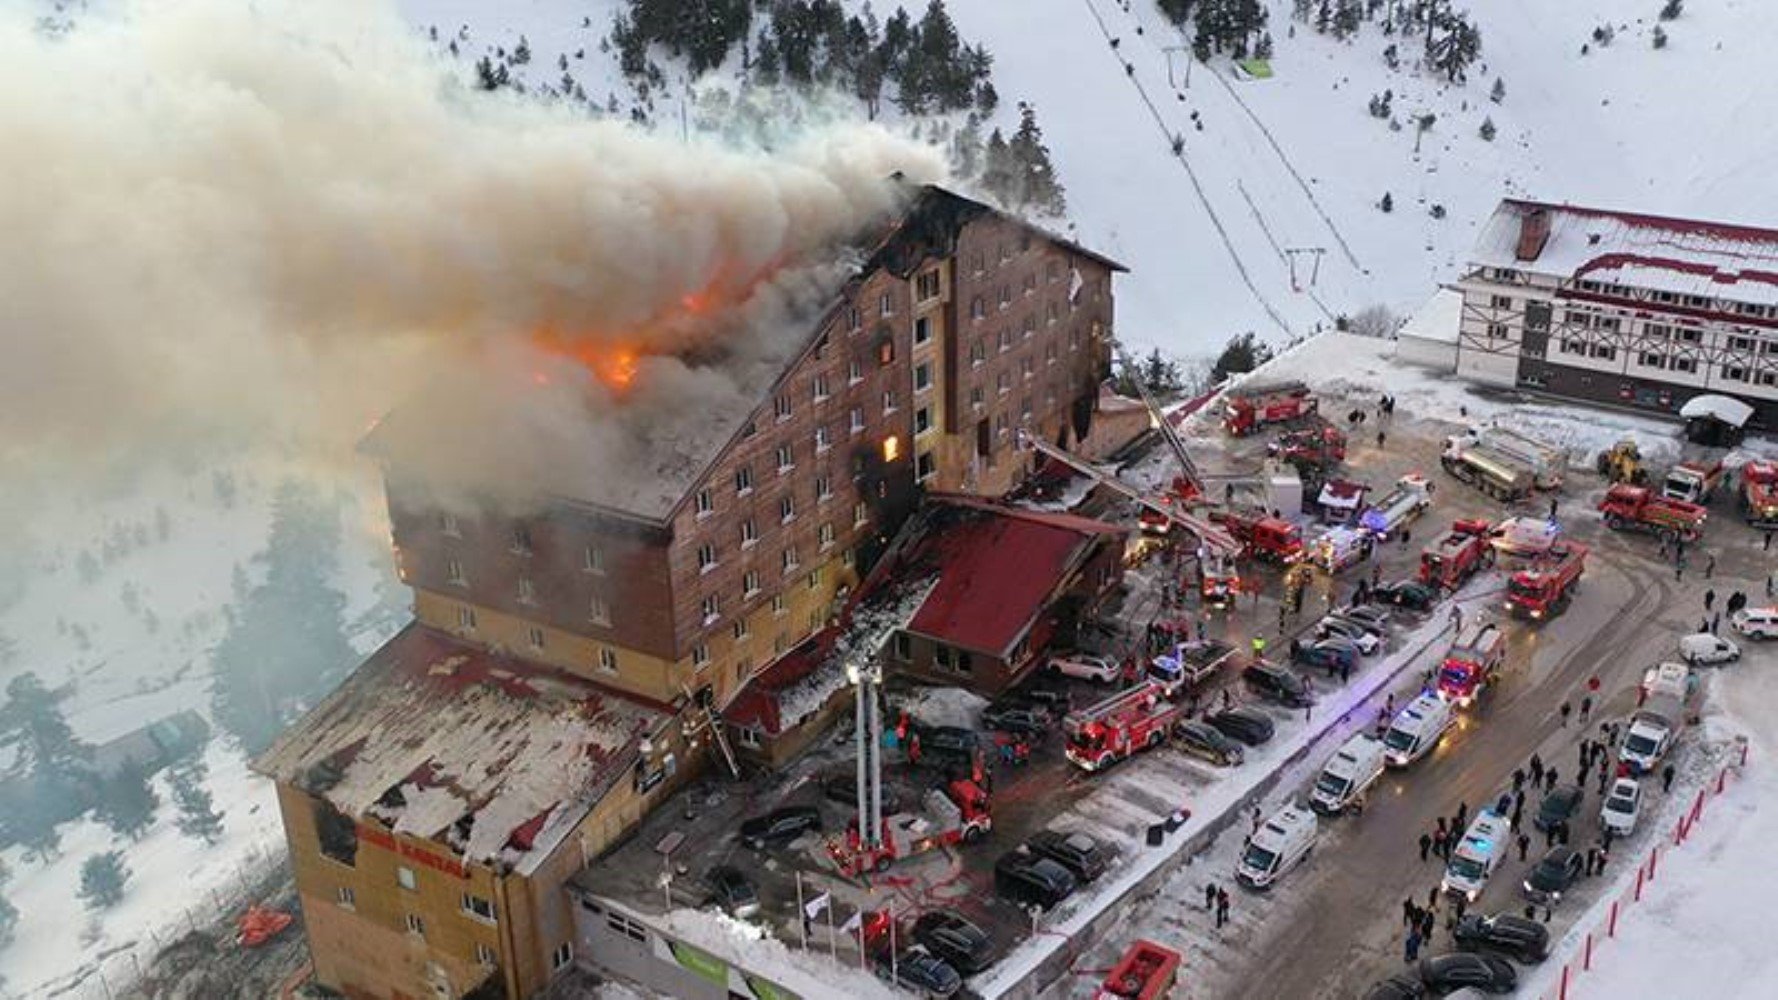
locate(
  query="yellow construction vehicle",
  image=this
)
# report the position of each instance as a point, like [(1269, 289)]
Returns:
[(1622, 463)]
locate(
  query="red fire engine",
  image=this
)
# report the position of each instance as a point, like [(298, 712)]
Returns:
[(1636, 508), (1322, 446), (1127, 722), (957, 814), (1147, 971), (1252, 408), (1544, 590), (1266, 538), (1759, 493), (1458, 554), (1475, 656)]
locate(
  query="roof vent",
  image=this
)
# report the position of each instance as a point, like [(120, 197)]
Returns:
[(1534, 232)]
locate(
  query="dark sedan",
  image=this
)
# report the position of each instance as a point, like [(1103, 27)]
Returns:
[(780, 826), (921, 970), (1558, 806), (1279, 684), (1017, 719), (956, 939), (1400, 986), (1552, 876), (842, 787), (1449, 973), (1201, 739), (1525, 940), (1249, 725), (1410, 594), (1085, 858)]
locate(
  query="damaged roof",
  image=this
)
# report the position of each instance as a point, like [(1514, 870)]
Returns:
[(495, 758), (998, 568)]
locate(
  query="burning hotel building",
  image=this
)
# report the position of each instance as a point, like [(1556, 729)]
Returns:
[(569, 666)]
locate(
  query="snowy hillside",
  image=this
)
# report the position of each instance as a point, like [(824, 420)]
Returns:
[(1297, 161)]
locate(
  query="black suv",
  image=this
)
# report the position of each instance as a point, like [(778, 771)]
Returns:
[(1279, 684), (1085, 858), (780, 826), (1249, 725), (1201, 739), (954, 938), (1410, 594), (1526, 940), (731, 890), (1452, 972), (1019, 719), (1552, 876), (1024, 877), (1558, 806), (1400, 986), (948, 744), (842, 787), (923, 971)]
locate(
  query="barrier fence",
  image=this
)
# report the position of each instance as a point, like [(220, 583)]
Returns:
[(1605, 922)]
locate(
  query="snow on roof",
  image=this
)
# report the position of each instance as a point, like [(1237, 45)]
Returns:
[(1437, 319), (1727, 409), (998, 567), (496, 758), (1683, 256)]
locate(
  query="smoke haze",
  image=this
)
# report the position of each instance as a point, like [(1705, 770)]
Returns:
[(279, 217)]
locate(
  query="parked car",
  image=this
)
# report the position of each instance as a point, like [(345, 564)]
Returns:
[(1410, 594), (1086, 666), (1279, 684), (1331, 655), (921, 970), (780, 826), (1249, 725), (1622, 805), (1025, 878), (1460, 969), (732, 891), (948, 744), (1054, 700), (1085, 858), (1704, 649), (1400, 986), (1756, 623), (1372, 616), (1363, 636), (956, 939), (1558, 807), (1201, 739), (1525, 940), (1020, 720), (842, 787), (1552, 876)]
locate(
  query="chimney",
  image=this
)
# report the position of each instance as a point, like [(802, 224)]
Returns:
[(1534, 232)]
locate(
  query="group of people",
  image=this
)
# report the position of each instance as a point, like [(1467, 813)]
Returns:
[(1216, 900), (1712, 619)]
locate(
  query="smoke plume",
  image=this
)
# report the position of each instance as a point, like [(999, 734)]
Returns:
[(279, 217)]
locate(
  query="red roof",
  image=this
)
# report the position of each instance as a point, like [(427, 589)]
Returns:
[(757, 704), (997, 571)]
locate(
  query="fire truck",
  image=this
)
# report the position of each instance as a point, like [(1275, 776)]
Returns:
[(1543, 590), (1693, 482), (1475, 657), (1127, 722), (1457, 554), (1636, 508), (1252, 408), (958, 814), (1759, 493), (1266, 538), (1319, 447), (1147, 971)]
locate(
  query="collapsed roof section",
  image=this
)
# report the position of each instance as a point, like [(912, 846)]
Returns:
[(495, 758)]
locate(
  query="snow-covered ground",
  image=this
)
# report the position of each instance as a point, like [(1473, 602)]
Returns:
[(129, 673)]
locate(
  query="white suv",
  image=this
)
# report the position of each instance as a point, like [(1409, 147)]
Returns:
[(1621, 807), (1756, 623), (1086, 666)]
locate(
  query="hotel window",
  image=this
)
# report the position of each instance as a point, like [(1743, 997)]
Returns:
[(749, 429), (922, 420), (1573, 346), (1027, 327), (1734, 373), (416, 925), (925, 467), (975, 397), (922, 330), (778, 609), (890, 398), (1003, 383), (860, 512), (700, 655), (854, 372), (1687, 365), (789, 559), (977, 308), (744, 480), (1024, 408), (1607, 323), (608, 660), (466, 617), (599, 610), (1740, 343), (712, 608), (559, 959), (1005, 296), (781, 407), (1004, 341), (485, 955), (978, 352), (749, 533), (826, 535), (1497, 330), (854, 318), (1501, 301), (1030, 285), (1690, 336), (821, 392), (706, 557), (521, 539), (1027, 367), (1051, 314), (977, 263), (1574, 318), (347, 897), (786, 458), (922, 377), (904, 647), (885, 304), (786, 509), (823, 488), (1649, 359), (740, 627), (814, 583), (477, 907), (1049, 354), (535, 634), (1768, 378), (823, 439), (1658, 331), (447, 524), (527, 591), (1604, 352), (404, 877), (749, 583), (926, 285), (848, 558), (885, 350), (593, 559), (856, 423), (704, 504), (1697, 301), (454, 573)]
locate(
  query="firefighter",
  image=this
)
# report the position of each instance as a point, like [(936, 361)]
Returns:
[(1259, 647)]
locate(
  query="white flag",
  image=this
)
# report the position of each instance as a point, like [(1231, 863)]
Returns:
[(856, 919), (813, 907)]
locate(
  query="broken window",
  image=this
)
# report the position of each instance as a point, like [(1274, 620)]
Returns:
[(337, 833)]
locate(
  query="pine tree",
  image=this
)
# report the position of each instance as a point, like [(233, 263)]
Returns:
[(198, 817), (1487, 130), (1498, 94), (102, 879), (1243, 353), (1387, 204), (127, 802), (521, 53), (1660, 37), (32, 722), (1035, 185), (1671, 10)]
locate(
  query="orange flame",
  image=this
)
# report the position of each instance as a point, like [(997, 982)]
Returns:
[(613, 364)]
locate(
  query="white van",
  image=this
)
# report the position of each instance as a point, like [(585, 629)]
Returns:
[(1283, 840), (1476, 856), (1704, 649), (1354, 768), (1417, 729), (1671, 679), (1756, 623)]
